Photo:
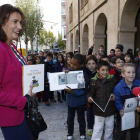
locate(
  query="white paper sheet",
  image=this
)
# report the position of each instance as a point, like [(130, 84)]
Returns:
[(128, 120), (130, 104), (60, 80)]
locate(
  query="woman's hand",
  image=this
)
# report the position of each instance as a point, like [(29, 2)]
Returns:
[(30, 91)]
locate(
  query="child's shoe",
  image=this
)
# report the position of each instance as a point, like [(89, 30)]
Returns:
[(89, 132), (47, 103), (82, 137), (69, 137), (53, 100)]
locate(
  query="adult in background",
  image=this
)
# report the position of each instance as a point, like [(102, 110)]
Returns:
[(12, 119)]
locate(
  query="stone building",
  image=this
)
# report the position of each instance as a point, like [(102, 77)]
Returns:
[(63, 19), (108, 22)]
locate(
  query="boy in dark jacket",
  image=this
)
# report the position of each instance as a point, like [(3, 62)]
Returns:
[(100, 90), (123, 91), (49, 67), (76, 100)]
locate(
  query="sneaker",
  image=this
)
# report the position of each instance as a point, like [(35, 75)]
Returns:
[(89, 132), (60, 100), (47, 103), (53, 100), (69, 137), (82, 137)]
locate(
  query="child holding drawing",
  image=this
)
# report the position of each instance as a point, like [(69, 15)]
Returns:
[(123, 91), (76, 100), (100, 90)]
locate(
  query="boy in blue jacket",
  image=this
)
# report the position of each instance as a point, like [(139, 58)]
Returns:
[(76, 100), (123, 91)]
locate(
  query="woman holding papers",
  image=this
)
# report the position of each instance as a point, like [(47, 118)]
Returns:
[(12, 119)]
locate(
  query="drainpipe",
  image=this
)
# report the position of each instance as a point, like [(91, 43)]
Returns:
[(79, 22)]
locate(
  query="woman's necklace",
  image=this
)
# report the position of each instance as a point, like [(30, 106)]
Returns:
[(21, 60)]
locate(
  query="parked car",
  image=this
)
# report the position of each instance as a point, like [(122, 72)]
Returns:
[(55, 50)]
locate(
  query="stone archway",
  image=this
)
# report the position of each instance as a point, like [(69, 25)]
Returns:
[(85, 41), (77, 40), (71, 43), (128, 29), (101, 32)]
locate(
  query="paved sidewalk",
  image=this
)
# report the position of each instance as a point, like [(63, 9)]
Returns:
[(55, 116)]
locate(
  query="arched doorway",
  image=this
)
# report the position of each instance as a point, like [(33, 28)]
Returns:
[(101, 32), (77, 40), (85, 41), (71, 43), (128, 25)]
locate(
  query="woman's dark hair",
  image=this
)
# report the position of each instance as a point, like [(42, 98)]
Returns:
[(79, 58), (63, 61), (102, 63), (5, 12), (91, 57)]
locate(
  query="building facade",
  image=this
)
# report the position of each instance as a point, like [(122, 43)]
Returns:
[(63, 19), (107, 22)]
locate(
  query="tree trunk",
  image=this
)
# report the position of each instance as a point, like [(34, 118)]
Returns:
[(26, 50), (31, 46)]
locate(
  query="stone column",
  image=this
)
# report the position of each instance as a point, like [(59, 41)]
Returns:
[(127, 37)]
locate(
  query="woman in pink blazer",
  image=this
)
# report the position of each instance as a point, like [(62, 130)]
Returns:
[(12, 118)]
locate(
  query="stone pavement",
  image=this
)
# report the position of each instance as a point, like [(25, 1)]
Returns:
[(55, 116)]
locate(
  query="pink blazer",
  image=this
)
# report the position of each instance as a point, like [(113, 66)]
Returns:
[(12, 102)]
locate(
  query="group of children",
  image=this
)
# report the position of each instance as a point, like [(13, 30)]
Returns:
[(106, 77)]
